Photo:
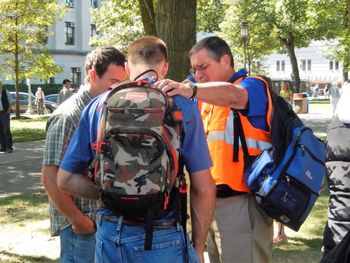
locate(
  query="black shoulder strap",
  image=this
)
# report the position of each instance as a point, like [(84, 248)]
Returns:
[(238, 135)]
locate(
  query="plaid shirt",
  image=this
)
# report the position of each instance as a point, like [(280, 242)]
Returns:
[(59, 130)]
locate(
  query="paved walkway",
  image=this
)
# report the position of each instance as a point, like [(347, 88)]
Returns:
[(20, 170)]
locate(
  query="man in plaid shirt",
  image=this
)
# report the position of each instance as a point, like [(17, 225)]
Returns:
[(72, 218)]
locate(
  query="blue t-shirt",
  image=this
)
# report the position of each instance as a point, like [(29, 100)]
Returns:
[(194, 147), (257, 99)]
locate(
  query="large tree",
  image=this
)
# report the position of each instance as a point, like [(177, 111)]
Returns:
[(341, 52), (259, 41), (293, 23), (24, 31), (174, 21)]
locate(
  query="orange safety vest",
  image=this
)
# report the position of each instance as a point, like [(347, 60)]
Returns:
[(218, 124)]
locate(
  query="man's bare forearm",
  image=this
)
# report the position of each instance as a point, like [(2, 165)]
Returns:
[(62, 200), (202, 207), (77, 184)]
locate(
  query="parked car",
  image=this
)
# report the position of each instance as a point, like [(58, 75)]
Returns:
[(52, 98), (23, 103)]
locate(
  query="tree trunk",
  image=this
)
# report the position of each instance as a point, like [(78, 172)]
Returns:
[(345, 70), (289, 44), (348, 14), (16, 70), (148, 17), (176, 25)]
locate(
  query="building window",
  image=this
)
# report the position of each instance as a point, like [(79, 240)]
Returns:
[(93, 31), (303, 64), (280, 65), (70, 3), (69, 32), (333, 65), (52, 80), (309, 64), (336, 64), (76, 76), (94, 3), (257, 64)]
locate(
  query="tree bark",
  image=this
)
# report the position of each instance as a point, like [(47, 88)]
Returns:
[(176, 25), (346, 71), (348, 14), (148, 17), (289, 44)]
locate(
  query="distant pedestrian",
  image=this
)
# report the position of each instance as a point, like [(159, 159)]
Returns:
[(279, 235), (65, 92), (5, 111), (334, 95), (315, 90), (40, 101), (286, 93)]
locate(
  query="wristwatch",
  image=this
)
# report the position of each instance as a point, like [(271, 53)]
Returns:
[(194, 89)]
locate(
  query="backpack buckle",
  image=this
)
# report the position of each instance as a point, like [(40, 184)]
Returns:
[(100, 146), (183, 186)]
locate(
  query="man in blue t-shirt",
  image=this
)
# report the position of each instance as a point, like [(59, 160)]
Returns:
[(120, 241)]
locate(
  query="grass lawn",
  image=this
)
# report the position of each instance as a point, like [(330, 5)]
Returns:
[(28, 129), (24, 227)]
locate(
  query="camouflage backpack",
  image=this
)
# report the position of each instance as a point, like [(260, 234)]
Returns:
[(137, 153)]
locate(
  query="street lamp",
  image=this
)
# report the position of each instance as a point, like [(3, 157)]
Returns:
[(244, 35), (30, 108)]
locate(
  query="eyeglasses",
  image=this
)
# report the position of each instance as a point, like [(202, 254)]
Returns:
[(201, 67)]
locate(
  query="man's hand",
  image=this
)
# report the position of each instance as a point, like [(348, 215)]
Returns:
[(172, 88), (84, 226)]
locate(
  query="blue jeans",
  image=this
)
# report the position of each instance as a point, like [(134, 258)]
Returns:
[(76, 248), (118, 242)]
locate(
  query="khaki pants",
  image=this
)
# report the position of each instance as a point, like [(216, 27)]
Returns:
[(241, 232)]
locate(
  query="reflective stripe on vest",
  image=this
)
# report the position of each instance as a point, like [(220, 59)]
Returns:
[(218, 122), (251, 143)]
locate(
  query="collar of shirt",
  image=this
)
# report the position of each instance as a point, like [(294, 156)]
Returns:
[(240, 73)]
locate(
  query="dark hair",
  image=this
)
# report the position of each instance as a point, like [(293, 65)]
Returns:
[(216, 46), (100, 58), (148, 49), (65, 81)]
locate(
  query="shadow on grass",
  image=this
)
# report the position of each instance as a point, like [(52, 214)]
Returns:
[(14, 258), (24, 207), (298, 250), (33, 199), (27, 134)]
